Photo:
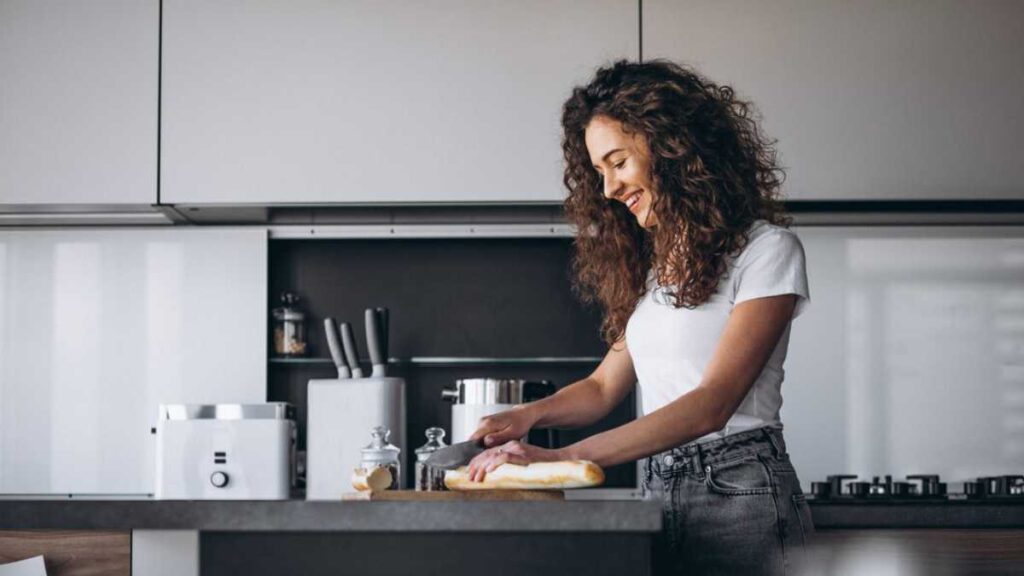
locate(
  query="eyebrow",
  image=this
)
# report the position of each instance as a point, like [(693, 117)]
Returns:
[(609, 153)]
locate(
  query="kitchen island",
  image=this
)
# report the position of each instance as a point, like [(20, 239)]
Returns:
[(598, 537)]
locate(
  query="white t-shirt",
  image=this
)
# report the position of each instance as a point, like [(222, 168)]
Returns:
[(671, 346)]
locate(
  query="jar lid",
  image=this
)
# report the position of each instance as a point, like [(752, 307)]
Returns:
[(379, 449), (435, 441), (289, 311)]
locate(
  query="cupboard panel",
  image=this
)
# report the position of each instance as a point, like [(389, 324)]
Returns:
[(376, 102)]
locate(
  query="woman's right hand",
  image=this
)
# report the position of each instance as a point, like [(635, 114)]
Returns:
[(499, 428)]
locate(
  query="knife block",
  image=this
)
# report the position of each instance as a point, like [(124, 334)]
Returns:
[(339, 417)]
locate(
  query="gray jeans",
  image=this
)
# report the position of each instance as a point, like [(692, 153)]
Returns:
[(731, 506)]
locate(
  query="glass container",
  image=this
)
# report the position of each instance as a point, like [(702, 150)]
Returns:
[(289, 327), (427, 478), (379, 453)]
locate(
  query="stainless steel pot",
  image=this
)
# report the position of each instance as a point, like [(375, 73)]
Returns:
[(485, 391), (476, 398)]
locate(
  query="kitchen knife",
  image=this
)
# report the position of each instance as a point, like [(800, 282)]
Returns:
[(337, 354), (348, 342), (373, 342), (451, 457)]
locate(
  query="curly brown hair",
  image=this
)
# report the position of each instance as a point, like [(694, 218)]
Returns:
[(713, 171)]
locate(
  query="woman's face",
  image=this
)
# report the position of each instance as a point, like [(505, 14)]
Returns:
[(624, 163)]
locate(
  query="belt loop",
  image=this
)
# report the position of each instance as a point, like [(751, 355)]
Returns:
[(698, 460), (777, 444)]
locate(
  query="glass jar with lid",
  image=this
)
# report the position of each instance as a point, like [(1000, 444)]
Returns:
[(289, 327), (429, 479), (379, 453)]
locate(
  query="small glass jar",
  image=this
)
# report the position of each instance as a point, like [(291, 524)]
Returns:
[(289, 327), (429, 479), (379, 453)]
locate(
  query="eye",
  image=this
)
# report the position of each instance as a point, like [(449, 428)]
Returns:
[(620, 164)]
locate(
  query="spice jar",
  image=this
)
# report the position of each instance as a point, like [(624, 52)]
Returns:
[(381, 454), (289, 327), (429, 479)]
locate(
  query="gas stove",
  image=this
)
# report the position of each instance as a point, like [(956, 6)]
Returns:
[(918, 487)]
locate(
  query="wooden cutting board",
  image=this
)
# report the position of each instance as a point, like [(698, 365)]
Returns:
[(452, 495)]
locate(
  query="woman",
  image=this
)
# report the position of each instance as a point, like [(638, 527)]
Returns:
[(683, 242)]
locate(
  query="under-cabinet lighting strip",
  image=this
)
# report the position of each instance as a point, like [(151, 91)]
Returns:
[(422, 231), (436, 360)]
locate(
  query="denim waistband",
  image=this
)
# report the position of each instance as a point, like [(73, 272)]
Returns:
[(693, 457)]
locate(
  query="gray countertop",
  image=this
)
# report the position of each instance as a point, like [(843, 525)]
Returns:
[(325, 516), (607, 516)]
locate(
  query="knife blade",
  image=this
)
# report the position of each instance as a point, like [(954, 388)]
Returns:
[(459, 454)]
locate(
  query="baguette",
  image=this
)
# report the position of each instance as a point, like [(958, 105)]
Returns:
[(373, 480), (536, 476)]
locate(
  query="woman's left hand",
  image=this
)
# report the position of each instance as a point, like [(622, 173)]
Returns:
[(513, 452)]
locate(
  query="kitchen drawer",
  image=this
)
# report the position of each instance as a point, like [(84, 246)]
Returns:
[(71, 552)]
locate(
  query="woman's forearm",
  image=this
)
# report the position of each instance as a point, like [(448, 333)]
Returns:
[(579, 404), (685, 419)]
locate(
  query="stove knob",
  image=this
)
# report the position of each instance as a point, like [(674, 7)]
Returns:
[(219, 479)]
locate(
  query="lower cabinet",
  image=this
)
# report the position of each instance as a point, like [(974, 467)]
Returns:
[(933, 551), (70, 552)]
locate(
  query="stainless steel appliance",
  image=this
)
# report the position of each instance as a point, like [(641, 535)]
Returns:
[(225, 451), (475, 398), (919, 487)]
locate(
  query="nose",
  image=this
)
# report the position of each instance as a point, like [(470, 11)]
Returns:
[(612, 187)]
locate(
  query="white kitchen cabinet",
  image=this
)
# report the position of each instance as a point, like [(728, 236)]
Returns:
[(78, 102), (357, 102), (869, 100)]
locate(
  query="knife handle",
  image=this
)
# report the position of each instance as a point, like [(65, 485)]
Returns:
[(348, 341), (373, 341), (337, 355), (382, 317)]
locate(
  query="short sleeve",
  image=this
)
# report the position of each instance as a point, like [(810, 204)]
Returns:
[(772, 264)]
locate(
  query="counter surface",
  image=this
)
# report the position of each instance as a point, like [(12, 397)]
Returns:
[(600, 516), (325, 516)]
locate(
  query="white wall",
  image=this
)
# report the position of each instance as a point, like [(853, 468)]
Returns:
[(910, 359), (97, 327)]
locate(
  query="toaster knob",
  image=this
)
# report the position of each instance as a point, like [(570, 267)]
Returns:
[(219, 479)]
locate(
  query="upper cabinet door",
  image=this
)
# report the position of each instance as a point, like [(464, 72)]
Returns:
[(78, 101), (313, 101), (872, 99)]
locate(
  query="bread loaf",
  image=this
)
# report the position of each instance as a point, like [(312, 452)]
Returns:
[(536, 476), (375, 479)]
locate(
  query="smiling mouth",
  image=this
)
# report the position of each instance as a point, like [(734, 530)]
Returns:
[(632, 201)]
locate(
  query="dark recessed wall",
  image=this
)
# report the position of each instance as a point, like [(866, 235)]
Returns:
[(491, 298)]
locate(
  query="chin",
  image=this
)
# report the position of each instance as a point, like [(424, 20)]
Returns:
[(646, 220)]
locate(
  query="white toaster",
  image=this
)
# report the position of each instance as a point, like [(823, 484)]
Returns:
[(225, 451)]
